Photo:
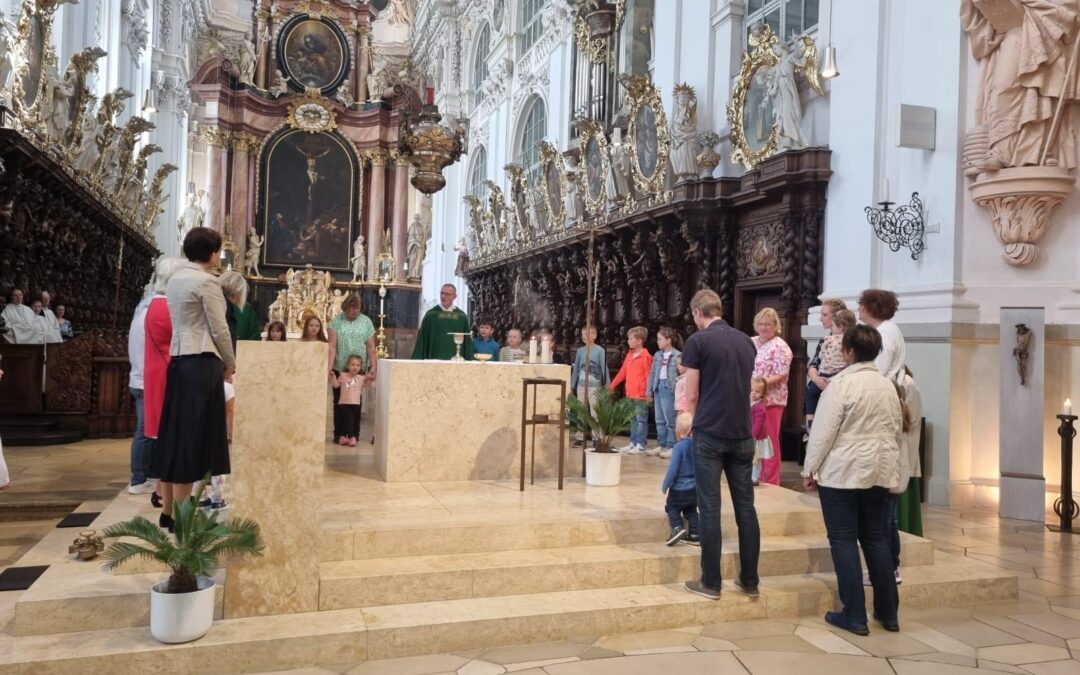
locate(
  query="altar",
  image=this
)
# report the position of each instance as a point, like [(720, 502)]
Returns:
[(447, 421)]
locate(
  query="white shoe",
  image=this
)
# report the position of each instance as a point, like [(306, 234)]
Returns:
[(626, 449), (898, 579), (636, 450), (652, 452), (143, 488), (665, 453)]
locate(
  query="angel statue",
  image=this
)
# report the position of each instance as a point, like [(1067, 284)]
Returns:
[(60, 116), (252, 254), (358, 260), (783, 91), (8, 54), (684, 134), (280, 85)]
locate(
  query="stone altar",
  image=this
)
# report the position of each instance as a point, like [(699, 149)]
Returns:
[(443, 420)]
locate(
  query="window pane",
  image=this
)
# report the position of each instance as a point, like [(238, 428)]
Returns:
[(810, 14), (479, 172), (753, 6), (531, 26), (793, 19), (534, 132), (480, 69)]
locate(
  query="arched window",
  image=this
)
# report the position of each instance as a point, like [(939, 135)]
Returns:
[(532, 132), (785, 17), (478, 174), (480, 68), (531, 25)]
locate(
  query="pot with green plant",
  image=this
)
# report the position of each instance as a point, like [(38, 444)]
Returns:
[(182, 606), (609, 417)]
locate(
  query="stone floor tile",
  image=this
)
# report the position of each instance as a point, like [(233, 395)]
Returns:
[(708, 644), (903, 667), (827, 641), (299, 671), (1023, 653), (885, 644), (778, 643), (1066, 611), (476, 667), (938, 640), (985, 664), (411, 665), (1064, 667), (1066, 601), (1045, 588), (970, 632), (673, 649), (542, 651), (938, 657), (1050, 622), (537, 666), (1009, 607), (638, 641), (771, 663), (1020, 630), (694, 663), (597, 653), (737, 630)]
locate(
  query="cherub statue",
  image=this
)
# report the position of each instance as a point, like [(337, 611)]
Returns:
[(280, 85), (253, 253), (345, 95), (358, 260)]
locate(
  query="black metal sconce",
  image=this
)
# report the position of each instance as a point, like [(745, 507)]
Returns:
[(899, 227)]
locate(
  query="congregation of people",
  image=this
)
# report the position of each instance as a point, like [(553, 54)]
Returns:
[(40, 322)]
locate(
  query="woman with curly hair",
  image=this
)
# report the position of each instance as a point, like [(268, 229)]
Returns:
[(876, 309)]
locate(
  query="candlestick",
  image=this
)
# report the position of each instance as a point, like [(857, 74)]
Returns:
[(532, 350), (1068, 407), (431, 95), (545, 351), (885, 190), (380, 341)]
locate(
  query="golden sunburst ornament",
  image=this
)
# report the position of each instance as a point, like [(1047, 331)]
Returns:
[(312, 113)]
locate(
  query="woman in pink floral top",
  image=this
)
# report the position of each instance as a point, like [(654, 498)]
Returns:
[(773, 363)]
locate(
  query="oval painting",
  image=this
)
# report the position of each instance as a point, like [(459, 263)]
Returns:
[(646, 141), (313, 53), (554, 187), (35, 53), (594, 168), (758, 112)]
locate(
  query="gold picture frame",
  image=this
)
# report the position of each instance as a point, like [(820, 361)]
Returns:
[(596, 165), (759, 57), (553, 178), (648, 138)]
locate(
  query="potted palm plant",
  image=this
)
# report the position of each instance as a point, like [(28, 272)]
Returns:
[(608, 418), (182, 606)]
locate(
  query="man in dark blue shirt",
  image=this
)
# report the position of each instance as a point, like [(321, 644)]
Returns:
[(719, 362)]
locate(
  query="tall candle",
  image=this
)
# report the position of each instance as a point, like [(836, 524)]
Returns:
[(545, 351), (885, 190), (1068, 407), (532, 350), (430, 95)]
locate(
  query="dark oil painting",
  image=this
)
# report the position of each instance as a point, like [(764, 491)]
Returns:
[(314, 53)]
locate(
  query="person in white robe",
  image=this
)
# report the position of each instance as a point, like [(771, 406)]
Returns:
[(23, 326), (52, 324)]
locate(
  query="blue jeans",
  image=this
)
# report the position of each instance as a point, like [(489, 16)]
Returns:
[(140, 444), (858, 516), (680, 504), (892, 528), (664, 403), (712, 457), (639, 426)]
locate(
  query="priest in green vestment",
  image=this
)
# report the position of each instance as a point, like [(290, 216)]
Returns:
[(434, 340)]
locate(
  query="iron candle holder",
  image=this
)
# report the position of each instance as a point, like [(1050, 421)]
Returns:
[(1065, 506), (898, 227)]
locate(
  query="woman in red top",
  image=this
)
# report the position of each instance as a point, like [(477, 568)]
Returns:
[(158, 328)]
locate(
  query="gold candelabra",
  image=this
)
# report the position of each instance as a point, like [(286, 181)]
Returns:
[(380, 340)]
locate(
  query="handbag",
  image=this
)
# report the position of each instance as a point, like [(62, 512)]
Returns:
[(763, 448)]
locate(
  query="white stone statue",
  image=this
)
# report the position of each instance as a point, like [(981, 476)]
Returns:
[(1021, 50), (783, 94), (193, 214), (252, 254), (59, 118), (684, 134), (462, 257), (403, 13), (575, 207), (8, 55), (88, 149), (280, 85), (618, 179), (376, 83), (358, 260), (247, 60), (417, 246), (46, 98), (344, 95)]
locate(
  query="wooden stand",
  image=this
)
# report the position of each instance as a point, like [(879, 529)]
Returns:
[(535, 420)]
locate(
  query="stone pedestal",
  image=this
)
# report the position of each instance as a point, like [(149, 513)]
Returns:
[(445, 420), (1020, 419), (279, 431)]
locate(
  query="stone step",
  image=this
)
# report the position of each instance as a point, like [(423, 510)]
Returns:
[(340, 636), (360, 583), (421, 540)]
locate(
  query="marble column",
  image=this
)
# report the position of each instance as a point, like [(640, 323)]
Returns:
[(216, 157), (262, 77), (239, 200), (364, 65), (400, 220), (1020, 415), (376, 209), (277, 467)]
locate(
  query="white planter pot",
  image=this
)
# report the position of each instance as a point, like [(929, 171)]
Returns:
[(181, 617), (602, 468)]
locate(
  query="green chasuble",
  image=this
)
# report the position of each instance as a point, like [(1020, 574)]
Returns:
[(434, 340), (247, 324)]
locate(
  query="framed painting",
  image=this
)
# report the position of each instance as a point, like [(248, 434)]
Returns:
[(594, 147), (553, 185), (649, 138), (313, 53), (308, 197), (35, 57)]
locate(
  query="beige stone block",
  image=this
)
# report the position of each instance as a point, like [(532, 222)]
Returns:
[(566, 577), (366, 591), (766, 663), (471, 414), (699, 663), (1023, 653), (277, 463)]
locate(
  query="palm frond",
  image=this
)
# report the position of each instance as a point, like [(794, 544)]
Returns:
[(120, 552)]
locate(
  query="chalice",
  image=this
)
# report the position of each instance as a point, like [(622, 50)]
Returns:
[(459, 339)]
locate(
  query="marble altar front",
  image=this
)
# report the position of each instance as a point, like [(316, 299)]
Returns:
[(444, 420)]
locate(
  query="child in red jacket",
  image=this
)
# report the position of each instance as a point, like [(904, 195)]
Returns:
[(635, 372)]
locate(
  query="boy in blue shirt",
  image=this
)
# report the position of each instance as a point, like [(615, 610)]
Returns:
[(485, 344), (680, 486)]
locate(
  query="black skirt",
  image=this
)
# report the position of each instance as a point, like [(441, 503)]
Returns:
[(193, 439)]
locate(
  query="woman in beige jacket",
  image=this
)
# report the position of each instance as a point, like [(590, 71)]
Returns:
[(853, 460)]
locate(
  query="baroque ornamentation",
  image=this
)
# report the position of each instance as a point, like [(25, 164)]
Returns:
[(136, 29), (553, 185), (649, 139)]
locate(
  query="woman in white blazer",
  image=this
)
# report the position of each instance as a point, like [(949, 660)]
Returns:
[(853, 460), (192, 438)]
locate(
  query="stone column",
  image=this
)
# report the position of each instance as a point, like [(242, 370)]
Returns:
[(376, 209), (400, 220), (364, 66), (216, 156), (239, 201), (263, 67)]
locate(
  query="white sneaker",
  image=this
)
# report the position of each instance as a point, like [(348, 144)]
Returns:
[(898, 579), (665, 453), (652, 452), (636, 450), (626, 449), (143, 488)]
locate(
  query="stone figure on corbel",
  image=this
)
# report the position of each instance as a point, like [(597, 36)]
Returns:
[(358, 260), (252, 253), (476, 223), (344, 95), (462, 266), (1023, 144), (9, 55), (618, 179), (58, 115), (416, 248), (783, 91), (685, 145), (280, 85), (247, 60), (575, 206), (86, 154), (497, 211)]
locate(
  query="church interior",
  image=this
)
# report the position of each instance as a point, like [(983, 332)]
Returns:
[(491, 271)]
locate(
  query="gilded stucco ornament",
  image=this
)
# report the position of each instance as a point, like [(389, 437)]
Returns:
[(649, 139), (594, 150), (553, 186), (312, 113)]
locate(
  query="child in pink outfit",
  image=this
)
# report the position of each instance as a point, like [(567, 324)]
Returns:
[(680, 386), (758, 429), (350, 382)]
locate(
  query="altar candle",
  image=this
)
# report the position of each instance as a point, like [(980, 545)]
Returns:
[(545, 351), (885, 190), (431, 95), (1068, 407), (532, 350)]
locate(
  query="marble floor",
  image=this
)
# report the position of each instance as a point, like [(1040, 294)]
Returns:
[(1039, 633)]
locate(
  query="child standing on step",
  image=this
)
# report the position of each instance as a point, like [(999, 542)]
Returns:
[(350, 382), (635, 373), (763, 448), (680, 486), (660, 390)]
